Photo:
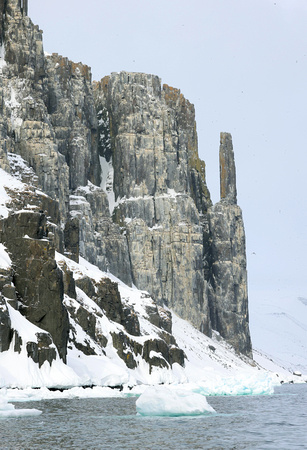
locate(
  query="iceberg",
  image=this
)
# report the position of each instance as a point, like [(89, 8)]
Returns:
[(8, 410), (238, 385), (162, 401)]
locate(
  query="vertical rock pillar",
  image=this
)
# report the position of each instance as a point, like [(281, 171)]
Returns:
[(229, 305), (227, 169), (2, 12)]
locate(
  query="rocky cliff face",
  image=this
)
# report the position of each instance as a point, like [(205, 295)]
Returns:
[(113, 175), (188, 254), (159, 187)]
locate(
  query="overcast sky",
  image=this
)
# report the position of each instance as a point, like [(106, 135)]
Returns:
[(243, 63)]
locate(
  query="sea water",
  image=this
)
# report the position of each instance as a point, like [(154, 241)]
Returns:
[(277, 421)]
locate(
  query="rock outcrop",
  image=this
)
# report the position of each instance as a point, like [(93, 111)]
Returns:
[(113, 175)]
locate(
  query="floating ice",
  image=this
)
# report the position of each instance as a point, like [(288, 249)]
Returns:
[(162, 401), (8, 410), (239, 385)]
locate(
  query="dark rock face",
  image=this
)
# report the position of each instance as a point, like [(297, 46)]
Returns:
[(37, 279), (108, 299), (126, 349), (2, 12), (87, 285), (130, 321), (71, 239), (106, 295), (69, 282), (43, 350), (160, 317), (5, 326)]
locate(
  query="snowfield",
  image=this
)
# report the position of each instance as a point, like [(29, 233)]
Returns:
[(278, 324)]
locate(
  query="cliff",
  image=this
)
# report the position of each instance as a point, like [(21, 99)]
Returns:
[(109, 171), (161, 197)]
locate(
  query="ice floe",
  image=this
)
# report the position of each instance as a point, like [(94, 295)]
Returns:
[(9, 410)]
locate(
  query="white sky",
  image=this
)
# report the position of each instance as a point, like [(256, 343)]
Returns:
[(243, 63)]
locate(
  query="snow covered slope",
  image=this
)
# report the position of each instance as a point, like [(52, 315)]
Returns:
[(211, 366), (278, 323)]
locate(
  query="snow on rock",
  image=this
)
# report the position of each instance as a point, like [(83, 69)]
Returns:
[(107, 176), (107, 368), (6, 180), (19, 370), (2, 57), (21, 169), (211, 366), (5, 260), (207, 357), (163, 401)]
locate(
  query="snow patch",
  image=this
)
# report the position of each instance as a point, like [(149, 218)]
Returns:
[(14, 105), (107, 177), (2, 57), (5, 260), (278, 323), (7, 181)]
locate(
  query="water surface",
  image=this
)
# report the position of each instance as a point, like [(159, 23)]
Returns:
[(277, 421)]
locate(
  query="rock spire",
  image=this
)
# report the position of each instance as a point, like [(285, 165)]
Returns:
[(228, 187), (229, 304)]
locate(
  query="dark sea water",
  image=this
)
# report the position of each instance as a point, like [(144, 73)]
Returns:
[(277, 421)]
